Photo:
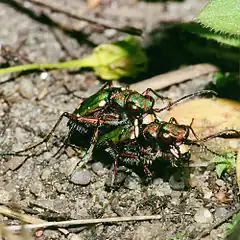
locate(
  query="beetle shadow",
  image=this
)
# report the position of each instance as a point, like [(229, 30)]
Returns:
[(158, 169), (169, 47)]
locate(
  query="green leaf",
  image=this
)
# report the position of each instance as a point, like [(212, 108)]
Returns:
[(221, 16), (220, 79), (220, 168), (207, 33), (179, 236), (224, 162), (231, 225)]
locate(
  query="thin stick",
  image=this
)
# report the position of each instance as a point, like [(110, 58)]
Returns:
[(125, 29), (174, 77), (83, 222)]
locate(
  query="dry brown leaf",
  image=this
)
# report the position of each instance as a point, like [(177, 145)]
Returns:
[(210, 117), (222, 198), (93, 3)]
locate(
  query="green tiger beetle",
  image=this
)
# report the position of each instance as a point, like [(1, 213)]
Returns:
[(157, 140), (143, 117), (113, 110)]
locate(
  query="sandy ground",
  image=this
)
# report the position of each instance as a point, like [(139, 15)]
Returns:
[(31, 104)]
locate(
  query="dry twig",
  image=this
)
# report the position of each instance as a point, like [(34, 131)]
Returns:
[(167, 79), (83, 222)]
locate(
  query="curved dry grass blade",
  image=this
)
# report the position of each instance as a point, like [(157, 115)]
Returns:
[(24, 218)]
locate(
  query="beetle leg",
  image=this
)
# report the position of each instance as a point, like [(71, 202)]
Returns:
[(146, 92), (109, 84), (198, 93), (45, 139), (115, 168), (173, 120), (147, 171), (229, 133), (128, 155), (89, 152)]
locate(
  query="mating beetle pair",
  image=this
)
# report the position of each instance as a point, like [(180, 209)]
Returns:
[(122, 122)]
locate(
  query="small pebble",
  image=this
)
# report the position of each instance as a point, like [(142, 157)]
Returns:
[(4, 107), (82, 177), (26, 88), (4, 168), (42, 93), (203, 215), (19, 134), (117, 180), (74, 236), (193, 182), (207, 193), (175, 201), (17, 147), (15, 162), (158, 181), (97, 167), (44, 75), (36, 188), (46, 174), (220, 183), (43, 128), (131, 183), (175, 197), (79, 213), (176, 185), (176, 194), (221, 212), (5, 196), (109, 33)]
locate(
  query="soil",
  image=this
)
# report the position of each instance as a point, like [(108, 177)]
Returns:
[(30, 105)]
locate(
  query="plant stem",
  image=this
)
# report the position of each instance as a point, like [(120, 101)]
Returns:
[(90, 61)]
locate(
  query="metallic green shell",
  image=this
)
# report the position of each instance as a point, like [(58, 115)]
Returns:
[(91, 104), (120, 134)]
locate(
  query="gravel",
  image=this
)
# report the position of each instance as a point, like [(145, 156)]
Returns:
[(97, 168), (82, 177), (203, 215), (5, 196), (132, 183), (14, 163), (220, 212), (26, 88), (29, 109)]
